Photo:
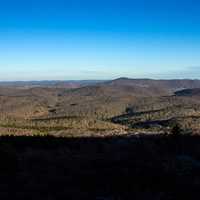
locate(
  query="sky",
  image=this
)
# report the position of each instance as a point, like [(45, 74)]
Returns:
[(99, 39)]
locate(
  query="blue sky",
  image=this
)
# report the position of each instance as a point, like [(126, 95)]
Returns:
[(99, 39)]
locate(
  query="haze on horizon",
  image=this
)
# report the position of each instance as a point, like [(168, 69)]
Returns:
[(85, 39)]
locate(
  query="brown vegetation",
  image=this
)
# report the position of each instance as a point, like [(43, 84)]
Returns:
[(118, 106)]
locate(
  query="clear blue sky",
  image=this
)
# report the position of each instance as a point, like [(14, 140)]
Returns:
[(99, 39)]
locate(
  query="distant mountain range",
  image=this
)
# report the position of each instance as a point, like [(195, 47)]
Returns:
[(164, 85), (50, 83), (173, 84)]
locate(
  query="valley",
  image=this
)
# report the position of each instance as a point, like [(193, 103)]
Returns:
[(117, 107)]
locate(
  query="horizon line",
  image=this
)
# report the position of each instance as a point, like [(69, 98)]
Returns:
[(77, 80)]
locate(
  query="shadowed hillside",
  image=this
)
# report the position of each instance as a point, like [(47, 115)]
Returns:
[(189, 92), (128, 167)]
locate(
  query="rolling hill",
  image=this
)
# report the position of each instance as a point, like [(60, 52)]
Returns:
[(117, 106)]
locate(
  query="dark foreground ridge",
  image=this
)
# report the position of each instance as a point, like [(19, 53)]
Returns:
[(115, 168)]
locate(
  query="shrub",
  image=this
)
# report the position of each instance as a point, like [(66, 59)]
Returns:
[(176, 130)]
